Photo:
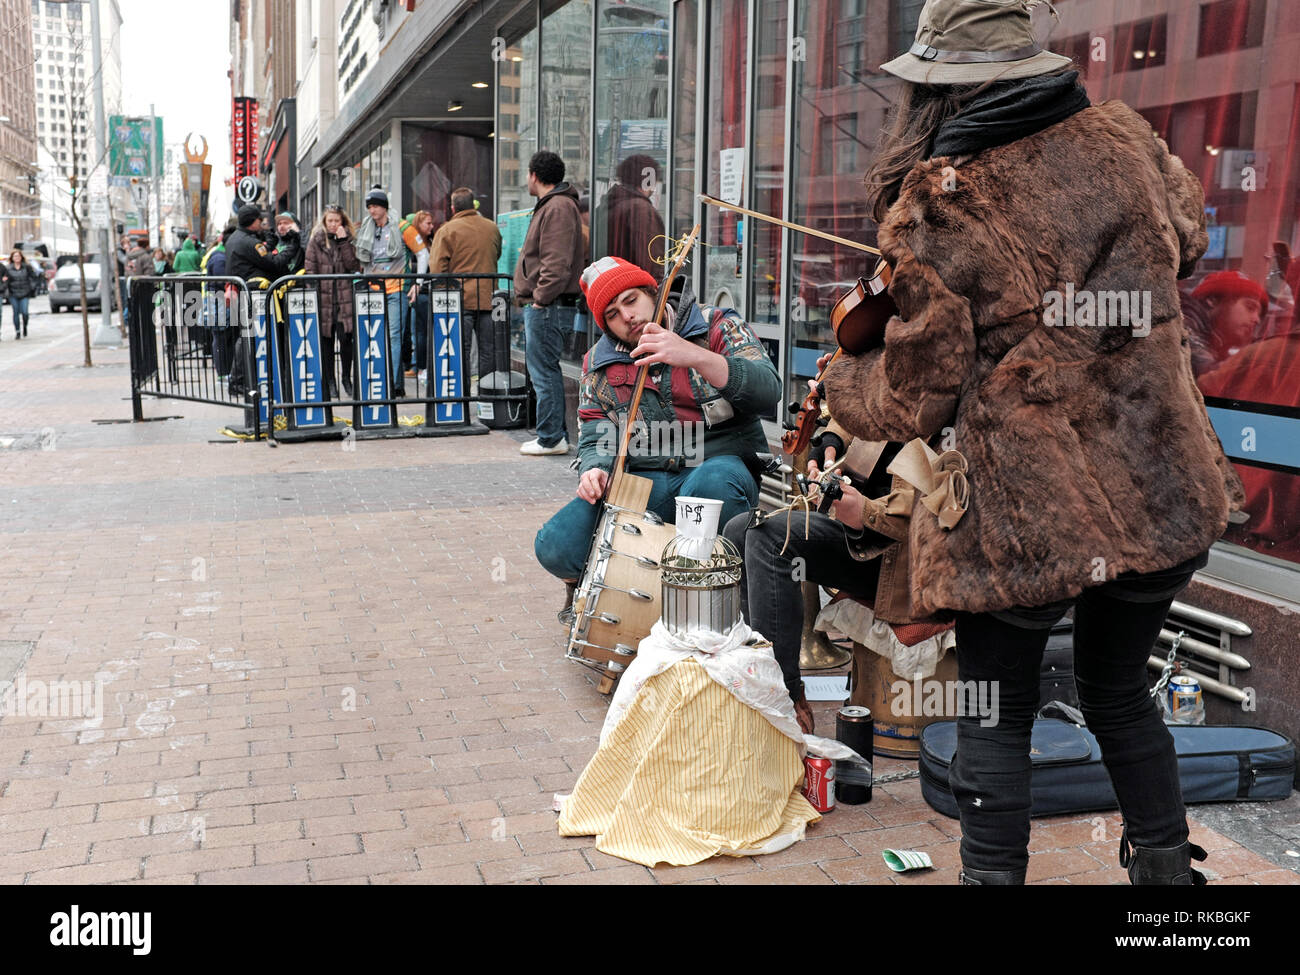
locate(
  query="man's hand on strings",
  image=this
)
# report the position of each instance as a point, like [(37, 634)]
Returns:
[(591, 486), (657, 344)]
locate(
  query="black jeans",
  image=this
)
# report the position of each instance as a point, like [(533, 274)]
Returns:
[(1115, 627), (770, 584)]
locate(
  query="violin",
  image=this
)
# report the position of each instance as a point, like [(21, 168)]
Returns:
[(858, 321)]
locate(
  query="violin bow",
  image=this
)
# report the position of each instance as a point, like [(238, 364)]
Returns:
[(793, 226), (661, 306)]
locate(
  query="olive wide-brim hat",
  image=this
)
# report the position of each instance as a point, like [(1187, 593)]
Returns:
[(962, 42)]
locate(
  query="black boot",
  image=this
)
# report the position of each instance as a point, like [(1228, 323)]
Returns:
[(992, 878), (1168, 865), (565, 615), (334, 388)]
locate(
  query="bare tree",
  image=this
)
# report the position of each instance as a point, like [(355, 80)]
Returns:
[(72, 99)]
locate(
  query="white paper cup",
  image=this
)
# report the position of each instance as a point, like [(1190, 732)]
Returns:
[(697, 526)]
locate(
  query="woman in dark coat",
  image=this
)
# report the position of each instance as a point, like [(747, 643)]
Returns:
[(1085, 469), (22, 281), (331, 250)]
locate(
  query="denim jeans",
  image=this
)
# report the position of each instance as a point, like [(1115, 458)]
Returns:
[(394, 306), (771, 597), (20, 312), (418, 316), (564, 541), (544, 332), (1115, 627)]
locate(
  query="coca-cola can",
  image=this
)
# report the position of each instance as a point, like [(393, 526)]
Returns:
[(819, 783)]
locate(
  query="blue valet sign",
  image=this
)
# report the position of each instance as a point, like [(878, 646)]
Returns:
[(448, 370), (304, 359), (260, 352), (371, 355)]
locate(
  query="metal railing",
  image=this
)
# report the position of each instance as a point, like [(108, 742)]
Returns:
[(263, 347)]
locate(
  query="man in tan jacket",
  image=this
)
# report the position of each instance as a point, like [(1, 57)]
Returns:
[(470, 243)]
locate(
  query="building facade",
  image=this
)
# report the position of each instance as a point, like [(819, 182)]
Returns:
[(20, 199), (64, 86)]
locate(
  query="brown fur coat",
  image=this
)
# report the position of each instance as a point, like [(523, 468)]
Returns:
[(1090, 450)]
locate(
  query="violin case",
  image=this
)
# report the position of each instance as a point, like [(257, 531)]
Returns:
[(1216, 763)]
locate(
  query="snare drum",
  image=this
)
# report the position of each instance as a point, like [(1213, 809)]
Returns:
[(617, 601)]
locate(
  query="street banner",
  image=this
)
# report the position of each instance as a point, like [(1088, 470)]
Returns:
[(372, 355), (304, 358), (260, 353), (447, 365), (135, 146)]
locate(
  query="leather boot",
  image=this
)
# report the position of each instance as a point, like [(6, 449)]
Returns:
[(565, 615), (1169, 865), (992, 878)]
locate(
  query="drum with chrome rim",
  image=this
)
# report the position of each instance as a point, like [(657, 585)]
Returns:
[(617, 601)]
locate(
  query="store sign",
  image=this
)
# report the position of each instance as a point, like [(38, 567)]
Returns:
[(243, 136)]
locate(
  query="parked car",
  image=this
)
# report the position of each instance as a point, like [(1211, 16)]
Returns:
[(65, 289)]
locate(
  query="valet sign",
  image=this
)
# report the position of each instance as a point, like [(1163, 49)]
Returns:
[(304, 359), (265, 379), (372, 354), (448, 367)]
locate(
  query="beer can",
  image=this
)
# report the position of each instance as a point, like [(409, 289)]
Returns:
[(1184, 694), (853, 727), (819, 783)]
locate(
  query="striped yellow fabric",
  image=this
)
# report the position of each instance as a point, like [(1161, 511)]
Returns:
[(688, 773)]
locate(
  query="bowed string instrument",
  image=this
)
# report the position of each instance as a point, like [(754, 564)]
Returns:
[(858, 321)]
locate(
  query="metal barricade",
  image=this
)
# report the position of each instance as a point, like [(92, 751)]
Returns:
[(313, 376), (185, 333)]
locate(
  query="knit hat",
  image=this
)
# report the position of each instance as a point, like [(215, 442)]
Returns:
[(962, 42), (248, 214), (608, 278), (286, 215), (377, 195), (1230, 284)]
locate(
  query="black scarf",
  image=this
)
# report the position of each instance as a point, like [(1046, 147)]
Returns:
[(1010, 110)]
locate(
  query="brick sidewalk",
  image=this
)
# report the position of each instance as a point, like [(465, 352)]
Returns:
[(333, 665)]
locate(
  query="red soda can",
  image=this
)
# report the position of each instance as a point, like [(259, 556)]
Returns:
[(819, 783)]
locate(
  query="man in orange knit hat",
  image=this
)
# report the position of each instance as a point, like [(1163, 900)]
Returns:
[(698, 427)]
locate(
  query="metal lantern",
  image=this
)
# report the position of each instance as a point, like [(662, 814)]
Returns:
[(700, 594)]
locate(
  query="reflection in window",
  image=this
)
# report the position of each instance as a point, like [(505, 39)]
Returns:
[(685, 54), (1140, 44), (722, 229), (516, 131), (1230, 25), (566, 90), (628, 173)]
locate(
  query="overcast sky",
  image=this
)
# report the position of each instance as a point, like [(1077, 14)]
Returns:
[(175, 55)]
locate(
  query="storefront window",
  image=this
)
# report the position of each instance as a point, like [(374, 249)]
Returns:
[(838, 110), (566, 90), (435, 162), (723, 230), (768, 174), (631, 133), (686, 29), (516, 127), (1238, 135)]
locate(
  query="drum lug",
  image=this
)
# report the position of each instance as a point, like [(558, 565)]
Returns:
[(631, 529), (609, 618), (647, 562), (638, 594), (651, 518)]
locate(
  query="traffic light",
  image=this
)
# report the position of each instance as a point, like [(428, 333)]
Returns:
[(31, 184)]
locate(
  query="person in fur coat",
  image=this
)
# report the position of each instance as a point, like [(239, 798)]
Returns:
[(1079, 465)]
